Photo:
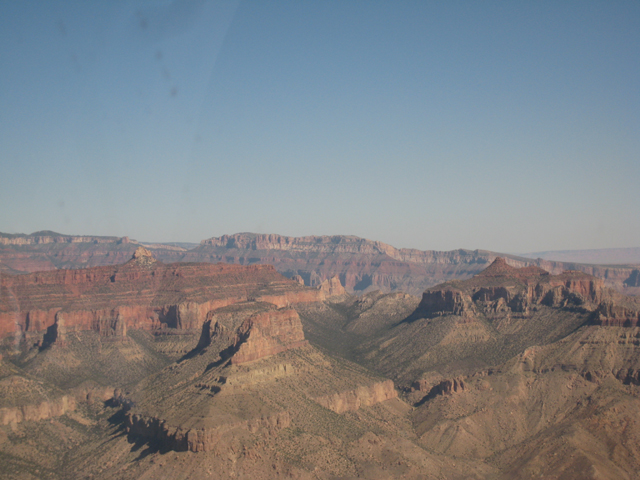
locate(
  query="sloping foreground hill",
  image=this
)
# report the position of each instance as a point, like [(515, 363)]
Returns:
[(361, 265), (535, 374)]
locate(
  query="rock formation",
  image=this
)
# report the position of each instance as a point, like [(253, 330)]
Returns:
[(267, 333), (514, 373), (332, 287), (362, 396), (361, 265), (245, 378), (502, 288), (141, 294)]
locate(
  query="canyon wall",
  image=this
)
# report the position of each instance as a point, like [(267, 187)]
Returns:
[(206, 438), (141, 294), (361, 265), (268, 333), (363, 396), (504, 288)]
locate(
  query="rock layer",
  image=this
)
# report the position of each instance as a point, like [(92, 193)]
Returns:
[(202, 439), (503, 288), (363, 396), (360, 264), (141, 294), (268, 333)]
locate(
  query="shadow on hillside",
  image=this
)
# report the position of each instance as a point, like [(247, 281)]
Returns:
[(144, 445), (416, 315)]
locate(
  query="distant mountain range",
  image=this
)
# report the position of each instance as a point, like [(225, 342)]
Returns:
[(362, 265), (601, 256)]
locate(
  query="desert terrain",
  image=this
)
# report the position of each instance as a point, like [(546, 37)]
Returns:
[(147, 369)]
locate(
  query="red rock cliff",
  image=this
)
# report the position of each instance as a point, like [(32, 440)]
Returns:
[(502, 287), (268, 333), (141, 294)]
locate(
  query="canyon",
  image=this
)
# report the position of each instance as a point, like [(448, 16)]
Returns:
[(146, 369), (361, 265), (142, 294)]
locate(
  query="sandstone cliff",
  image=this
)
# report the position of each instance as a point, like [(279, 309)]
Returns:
[(363, 396), (502, 288), (267, 333), (141, 294), (363, 265), (360, 264)]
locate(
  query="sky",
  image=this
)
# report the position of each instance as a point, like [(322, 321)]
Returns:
[(501, 125)]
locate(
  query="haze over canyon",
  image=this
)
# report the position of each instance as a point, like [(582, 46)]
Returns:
[(263, 356)]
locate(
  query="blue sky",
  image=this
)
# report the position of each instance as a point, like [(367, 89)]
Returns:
[(508, 126)]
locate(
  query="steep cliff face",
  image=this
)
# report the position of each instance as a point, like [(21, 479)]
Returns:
[(203, 439), (360, 264), (141, 294), (363, 396), (267, 333), (363, 264), (446, 301), (43, 251), (611, 314), (502, 288)]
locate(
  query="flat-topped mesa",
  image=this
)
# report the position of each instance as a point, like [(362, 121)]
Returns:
[(46, 237), (504, 288), (249, 331), (141, 294), (317, 244)]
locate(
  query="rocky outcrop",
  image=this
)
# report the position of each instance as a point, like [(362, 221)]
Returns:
[(450, 386), (611, 314), (504, 288), (445, 387), (202, 439), (143, 257), (141, 294), (447, 301), (52, 407), (251, 331), (363, 396), (332, 287), (57, 333), (267, 333)]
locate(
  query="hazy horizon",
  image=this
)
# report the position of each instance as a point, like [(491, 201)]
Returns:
[(509, 127)]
